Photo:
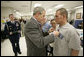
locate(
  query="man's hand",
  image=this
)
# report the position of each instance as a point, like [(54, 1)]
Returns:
[(74, 52), (56, 33), (11, 33), (19, 31), (51, 30)]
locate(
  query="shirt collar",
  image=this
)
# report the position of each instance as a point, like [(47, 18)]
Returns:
[(64, 25), (12, 21), (36, 20)]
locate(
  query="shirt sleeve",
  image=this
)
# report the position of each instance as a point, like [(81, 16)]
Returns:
[(74, 40)]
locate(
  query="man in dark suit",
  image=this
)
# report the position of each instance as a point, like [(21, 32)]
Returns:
[(35, 40), (13, 30)]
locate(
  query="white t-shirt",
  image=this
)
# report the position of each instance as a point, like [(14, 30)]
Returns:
[(71, 40)]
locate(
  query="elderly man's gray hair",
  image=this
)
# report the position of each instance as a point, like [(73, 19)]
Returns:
[(38, 9)]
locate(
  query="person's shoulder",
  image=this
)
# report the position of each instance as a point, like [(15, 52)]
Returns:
[(29, 22), (72, 29), (67, 27), (8, 22)]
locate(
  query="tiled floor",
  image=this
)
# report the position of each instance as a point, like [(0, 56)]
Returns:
[(6, 48)]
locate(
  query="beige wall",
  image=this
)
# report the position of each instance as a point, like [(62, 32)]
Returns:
[(5, 11), (72, 14)]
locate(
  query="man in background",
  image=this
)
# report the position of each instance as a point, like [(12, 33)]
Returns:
[(13, 30)]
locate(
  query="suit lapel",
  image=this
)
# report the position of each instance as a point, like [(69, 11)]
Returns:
[(35, 22)]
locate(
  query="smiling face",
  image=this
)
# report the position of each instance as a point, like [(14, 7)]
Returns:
[(41, 16)]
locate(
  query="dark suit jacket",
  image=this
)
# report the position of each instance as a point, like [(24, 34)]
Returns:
[(35, 40)]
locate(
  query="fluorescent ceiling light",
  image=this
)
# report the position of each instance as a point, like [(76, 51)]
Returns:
[(49, 10), (14, 10), (37, 4), (78, 7), (18, 13), (58, 6), (22, 15), (67, 9)]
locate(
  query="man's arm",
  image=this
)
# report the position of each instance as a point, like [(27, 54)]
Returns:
[(35, 35), (74, 43), (74, 52)]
